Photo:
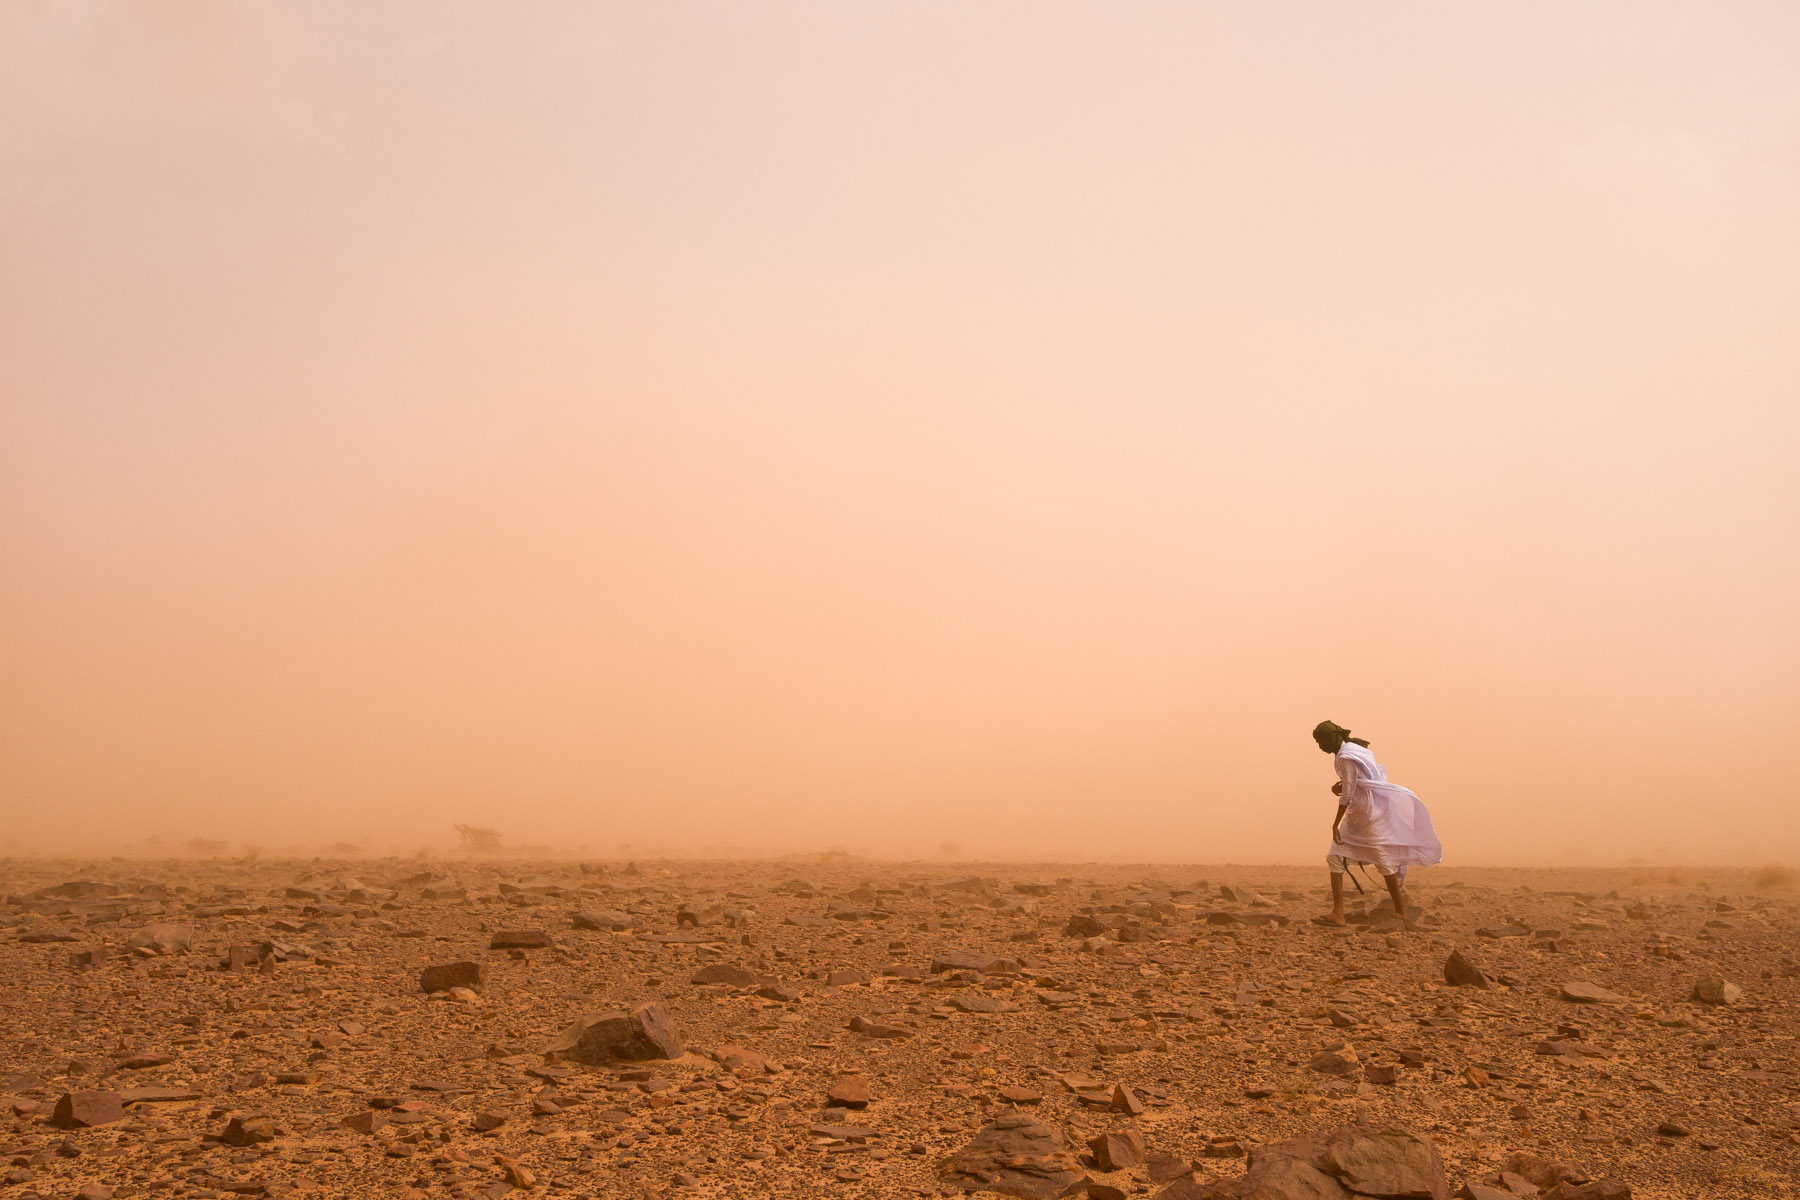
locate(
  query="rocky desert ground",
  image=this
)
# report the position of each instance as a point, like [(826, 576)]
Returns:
[(829, 1026)]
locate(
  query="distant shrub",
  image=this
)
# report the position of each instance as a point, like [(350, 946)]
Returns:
[(479, 840), (1773, 876)]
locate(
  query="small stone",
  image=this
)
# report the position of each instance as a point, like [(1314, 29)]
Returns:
[(1542, 1172), (1460, 972), (875, 1029), (600, 920), (248, 1131), (162, 939), (1124, 1100), (848, 979), (728, 974), (972, 960), (158, 1095), (1589, 993), (519, 939), (1339, 1060), (367, 1121), (1164, 1167), (975, 1002)]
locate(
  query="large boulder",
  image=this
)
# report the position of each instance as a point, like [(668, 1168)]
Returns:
[(84, 1110), (1385, 1162), (1599, 1189), (1117, 1149), (1355, 1160), (1542, 1172), (441, 977), (1016, 1155), (1272, 1176), (629, 1035), (1715, 989)]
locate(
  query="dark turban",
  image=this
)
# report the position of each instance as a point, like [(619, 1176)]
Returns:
[(1331, 736)]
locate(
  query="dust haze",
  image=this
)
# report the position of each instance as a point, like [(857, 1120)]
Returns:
[(928, 431)]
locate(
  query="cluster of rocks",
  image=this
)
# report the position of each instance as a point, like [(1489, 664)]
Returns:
[(258, 1028)]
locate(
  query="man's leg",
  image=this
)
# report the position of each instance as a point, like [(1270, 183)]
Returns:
[(1393, 884), (1337, 890)]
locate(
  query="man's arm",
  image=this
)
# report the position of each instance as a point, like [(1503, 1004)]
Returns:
[(1342, 789)]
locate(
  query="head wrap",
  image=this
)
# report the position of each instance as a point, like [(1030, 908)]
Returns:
[(1331, 736)]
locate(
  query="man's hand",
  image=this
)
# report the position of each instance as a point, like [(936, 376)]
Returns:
[(1337, 789)]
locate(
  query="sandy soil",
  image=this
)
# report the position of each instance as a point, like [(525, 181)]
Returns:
[(1207, 1008)]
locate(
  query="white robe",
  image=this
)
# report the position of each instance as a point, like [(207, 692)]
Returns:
[(1384, 823)]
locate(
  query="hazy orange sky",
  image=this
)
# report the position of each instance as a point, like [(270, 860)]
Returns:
[(870, 426)]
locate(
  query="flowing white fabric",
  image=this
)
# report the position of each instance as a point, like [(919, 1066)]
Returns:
[(1384, 823)]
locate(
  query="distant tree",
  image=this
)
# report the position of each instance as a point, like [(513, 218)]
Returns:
[(478, 840)]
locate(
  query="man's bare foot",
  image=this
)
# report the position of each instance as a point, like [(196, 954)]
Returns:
[(1332, 919)]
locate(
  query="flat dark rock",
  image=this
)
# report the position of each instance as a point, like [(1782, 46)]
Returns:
[(1016, 1155), (635, 1035)]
